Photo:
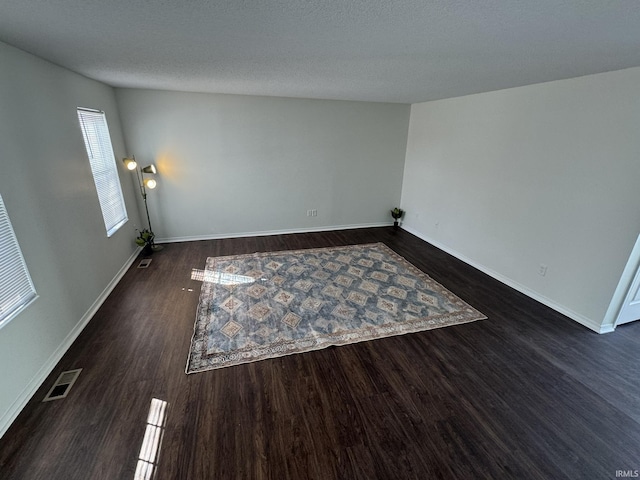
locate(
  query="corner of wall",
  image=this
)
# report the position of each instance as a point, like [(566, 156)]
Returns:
[(581, 319)]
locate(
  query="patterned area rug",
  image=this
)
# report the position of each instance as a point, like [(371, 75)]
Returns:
[(266, 305)]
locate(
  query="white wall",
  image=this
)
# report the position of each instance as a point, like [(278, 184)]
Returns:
[(547, 173), (239, 165), (48, 189)]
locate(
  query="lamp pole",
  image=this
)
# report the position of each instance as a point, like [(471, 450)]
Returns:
[(143, 192)]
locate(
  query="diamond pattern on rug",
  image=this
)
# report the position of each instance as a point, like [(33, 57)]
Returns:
[(291, 319), (259, 311), (428, 299), (333, 291), (312, 304), (256, 291), (387, 306), (284, 298), (358, 297), (355, 271), (344, 280), (397, 292), (265, 305), (320, 275), (231, 329), (345, 312), (231, 304), (344, 258), (304, 285), (368, 286)]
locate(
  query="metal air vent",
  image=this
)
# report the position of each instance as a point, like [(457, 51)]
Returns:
[(62, 386), (145, 263)]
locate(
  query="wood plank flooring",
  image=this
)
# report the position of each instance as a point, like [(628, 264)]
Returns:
[(525, 394)]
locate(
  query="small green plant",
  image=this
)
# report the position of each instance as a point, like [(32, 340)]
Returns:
[(145, 238), (396, 213)]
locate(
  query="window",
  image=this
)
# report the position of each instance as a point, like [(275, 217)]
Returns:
[(103, 165), (16, 287)]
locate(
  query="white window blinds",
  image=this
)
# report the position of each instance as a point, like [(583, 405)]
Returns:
[(16, 288), (103, 166)]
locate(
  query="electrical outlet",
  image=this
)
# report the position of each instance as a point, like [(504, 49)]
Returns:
[(314, 213), (308, 213), (542, 269)]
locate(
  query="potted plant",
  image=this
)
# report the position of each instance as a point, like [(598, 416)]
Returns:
[(396, 213), (145, 239)]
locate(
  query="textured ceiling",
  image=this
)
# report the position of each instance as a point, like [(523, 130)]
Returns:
[(375, 50)]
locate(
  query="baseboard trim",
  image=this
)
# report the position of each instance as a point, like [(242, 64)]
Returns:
[(9, 417), (581, 319), (265, 233)]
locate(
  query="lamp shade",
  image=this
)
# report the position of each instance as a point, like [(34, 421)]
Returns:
[(150, 169), (150, 183), (130, 163)]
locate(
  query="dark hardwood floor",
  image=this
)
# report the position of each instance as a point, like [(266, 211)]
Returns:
[(525, 394)]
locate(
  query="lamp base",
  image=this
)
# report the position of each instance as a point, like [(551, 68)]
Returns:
[(156, 248)]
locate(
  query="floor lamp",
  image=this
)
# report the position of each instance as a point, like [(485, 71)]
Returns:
[(144, 183)]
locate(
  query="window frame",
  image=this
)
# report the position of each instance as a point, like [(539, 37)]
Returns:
[(104, 168), (12, 267)]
